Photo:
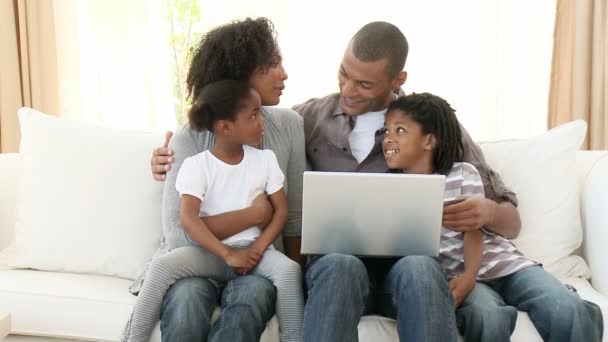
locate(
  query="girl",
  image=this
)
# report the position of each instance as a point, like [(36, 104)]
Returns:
[(226, 178), (244, 50), (422, 136)]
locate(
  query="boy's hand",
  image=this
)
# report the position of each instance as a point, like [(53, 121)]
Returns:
[(162, 158), (461, 286), (242, 260), (263, 209)]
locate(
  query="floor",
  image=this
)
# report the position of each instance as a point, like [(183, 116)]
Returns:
[(19, 338)]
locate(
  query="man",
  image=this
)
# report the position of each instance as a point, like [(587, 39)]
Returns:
[(341, 133)]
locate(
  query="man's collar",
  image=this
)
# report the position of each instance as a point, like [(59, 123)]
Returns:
[(337, 109)]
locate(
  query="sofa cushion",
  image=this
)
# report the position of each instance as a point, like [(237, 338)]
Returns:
[(87, 202), (71, 305), (542, 172), (64, 304)]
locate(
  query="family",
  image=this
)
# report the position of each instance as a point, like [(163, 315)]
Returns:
[(232, 205)]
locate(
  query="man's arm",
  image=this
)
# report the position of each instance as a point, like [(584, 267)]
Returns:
[(476, 212), (498, 212), (293, 246)]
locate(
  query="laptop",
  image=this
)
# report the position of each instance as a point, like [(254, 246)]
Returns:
[(371, 214)]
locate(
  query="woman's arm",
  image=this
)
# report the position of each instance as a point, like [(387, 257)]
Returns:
[(279, 202), (295, 169)]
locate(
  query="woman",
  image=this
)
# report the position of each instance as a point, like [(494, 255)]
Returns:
[(243, 50)]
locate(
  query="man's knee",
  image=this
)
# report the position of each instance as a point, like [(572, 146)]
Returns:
[(417, 270), (251, 290), (339, 274), (344, 265)]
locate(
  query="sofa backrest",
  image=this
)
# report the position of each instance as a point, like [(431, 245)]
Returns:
[(9, 185), (10, 179)]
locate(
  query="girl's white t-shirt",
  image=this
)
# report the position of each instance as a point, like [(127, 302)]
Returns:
[(223, 187)]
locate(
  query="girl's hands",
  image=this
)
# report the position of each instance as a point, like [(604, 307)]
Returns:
[(243, 260)]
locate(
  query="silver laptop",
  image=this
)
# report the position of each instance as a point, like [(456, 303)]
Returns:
[(371, 214)]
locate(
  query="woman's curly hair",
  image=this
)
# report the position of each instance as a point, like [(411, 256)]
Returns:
[(232, 51)]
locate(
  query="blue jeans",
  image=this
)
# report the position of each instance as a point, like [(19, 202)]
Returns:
[(414, 290), (247, 303), (558, 313)]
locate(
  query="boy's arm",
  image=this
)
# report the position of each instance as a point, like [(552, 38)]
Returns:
[(279, 203), (462, 285), (473, 253)]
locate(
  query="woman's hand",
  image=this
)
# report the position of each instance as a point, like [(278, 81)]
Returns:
[(162, 158), (461, 286)]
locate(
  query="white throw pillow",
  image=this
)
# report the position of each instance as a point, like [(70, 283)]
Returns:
[(542, 172), (87, 202)]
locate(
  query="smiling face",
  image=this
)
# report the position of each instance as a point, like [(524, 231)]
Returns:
[(269, 83), (406, 147), (248, 126), (366, 86)]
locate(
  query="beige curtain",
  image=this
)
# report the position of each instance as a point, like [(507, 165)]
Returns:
[(28, 64), (579, 73)]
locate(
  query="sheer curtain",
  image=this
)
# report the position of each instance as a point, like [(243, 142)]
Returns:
[(579, 78), (114, 63), (490, 59)]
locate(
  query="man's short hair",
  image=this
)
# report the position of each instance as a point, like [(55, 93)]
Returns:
[(378, 40)]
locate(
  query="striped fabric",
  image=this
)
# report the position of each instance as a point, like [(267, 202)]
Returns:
[(500, 256)]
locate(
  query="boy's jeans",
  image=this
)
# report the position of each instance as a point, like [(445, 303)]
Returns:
[(558, 313)]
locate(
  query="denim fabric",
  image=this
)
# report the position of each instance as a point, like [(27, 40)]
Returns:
[(247, 303), (413, 289), (556, 310)]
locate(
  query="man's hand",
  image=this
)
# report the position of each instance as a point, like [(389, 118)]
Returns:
[(162, 158), (461, 286), (470, 214), (243, 259), (263, 209)]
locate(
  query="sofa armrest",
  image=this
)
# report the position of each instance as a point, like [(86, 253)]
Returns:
[(10, 164), (594, 215)]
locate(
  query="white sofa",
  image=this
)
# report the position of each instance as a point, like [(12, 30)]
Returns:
[(95, 307)]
